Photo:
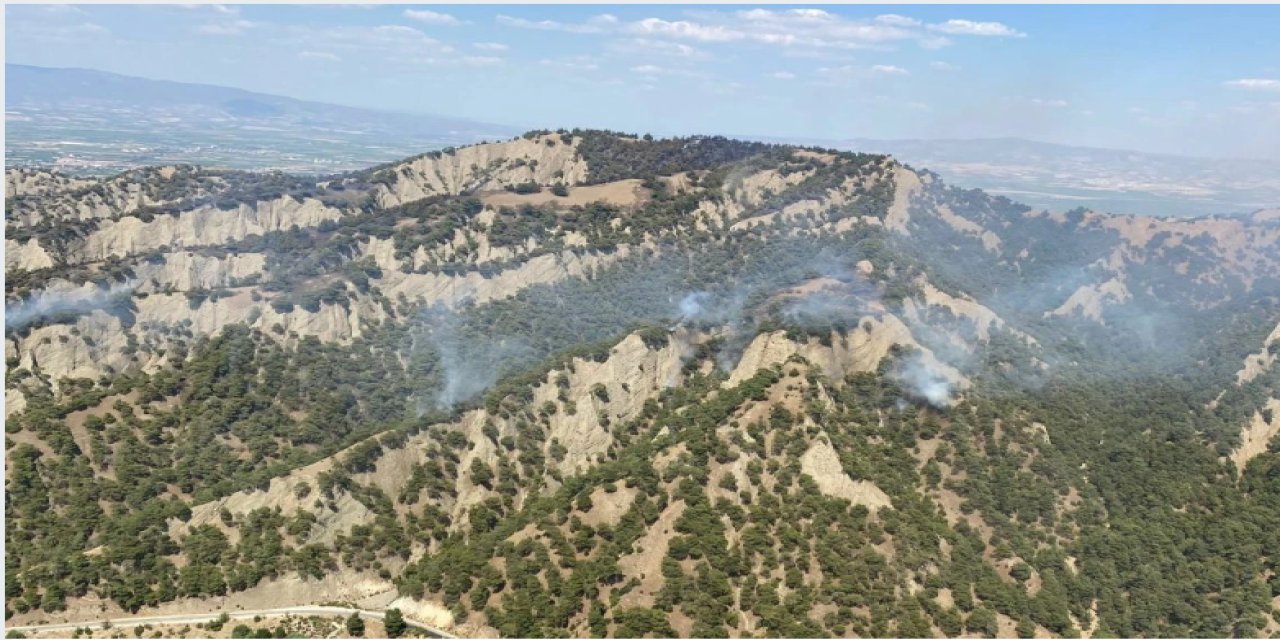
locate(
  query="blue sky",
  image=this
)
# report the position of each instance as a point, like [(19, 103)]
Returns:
[(1182, 79)]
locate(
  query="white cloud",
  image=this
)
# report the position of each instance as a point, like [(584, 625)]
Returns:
[(575, 63), (646, 46), (1255, 84), (723, 88), (1052, 103), (889, 70), (431, 17), (318, 55), (62, 10), (230, 28), (838, 74), (897, 20), (687, 30), (394, 44), (598, 24), (216, 8), (783, 75), (59, 24), (490, 46), (972, 28), (653, 70), (943, 66), (790, 28)]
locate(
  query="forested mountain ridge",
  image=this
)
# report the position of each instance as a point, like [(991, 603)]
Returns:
[(585, 383)]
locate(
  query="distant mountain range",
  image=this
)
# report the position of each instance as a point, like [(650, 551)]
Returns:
[(85, 120), (1062, 177)]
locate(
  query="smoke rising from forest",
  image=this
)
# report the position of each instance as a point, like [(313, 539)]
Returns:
[(53, 303)]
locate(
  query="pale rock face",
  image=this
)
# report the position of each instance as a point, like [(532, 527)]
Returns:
[(712, 213), (1257, 435), (185, 271), (858, 350), (14, 402), (91, 347), (450, 290), (983, 318), (631, 375), (204, 226), (428, 612), (95, 344), (990, 241), (282, 492), (485, 167), (834, 197), (331, 323), (1256, 363), (53, 196), (753, 188), (907, 186), (1240, 245), (27, 255), (383, 253), (38, 182), (822, 464), (1089, 300)]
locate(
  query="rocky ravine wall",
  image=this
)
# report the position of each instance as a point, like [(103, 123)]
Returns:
[(632, 374), (543, 159)]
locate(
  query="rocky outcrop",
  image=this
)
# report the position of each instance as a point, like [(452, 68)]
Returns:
[(633, 373), (858, 350), (27, 255), (907, 186), (541, 159), (204, 226), (1090, 300), (1262, 360), (449, 290), (93, 346), (188, 271), (50, 196), (822, 464), (27, 182), (333, 516), (983, 318), (1256, 436), (98, 344)]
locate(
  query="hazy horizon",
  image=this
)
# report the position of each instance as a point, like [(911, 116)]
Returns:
[(1199, 86)]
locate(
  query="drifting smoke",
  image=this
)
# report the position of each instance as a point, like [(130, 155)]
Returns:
[(706, 308), (824, 309), (467, 365), (62, 304), (693, 305), (923, 381)]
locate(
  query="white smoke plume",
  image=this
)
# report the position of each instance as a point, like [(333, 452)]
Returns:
[(467, 365), (67, 302), (923, 381)]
